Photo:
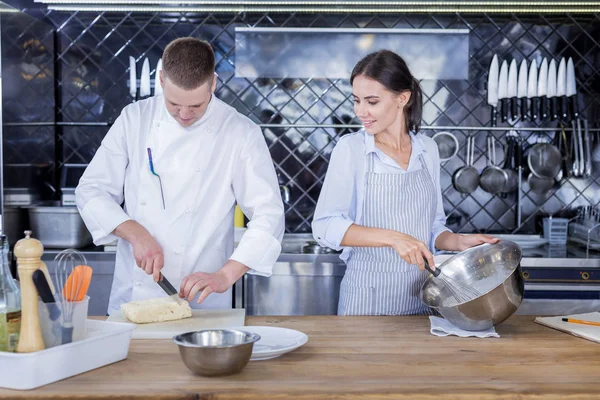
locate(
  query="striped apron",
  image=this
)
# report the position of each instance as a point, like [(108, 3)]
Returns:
[(377, 280)]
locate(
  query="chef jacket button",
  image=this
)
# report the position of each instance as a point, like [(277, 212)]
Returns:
[(197, 169), (177, 252), (138, 284), (187, 210), (158, 124), (142, 203), (209, 131)]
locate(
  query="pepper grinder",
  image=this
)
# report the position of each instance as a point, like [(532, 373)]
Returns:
[(29, 252)]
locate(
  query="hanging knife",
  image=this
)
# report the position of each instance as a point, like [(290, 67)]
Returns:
[(522, 89), (492, 95), (532, 90), (572, 88), (542, 89), (552, 90), (561, 89), (145, 79), (132, 78), (157, 85), (502, 88), (511, 91)]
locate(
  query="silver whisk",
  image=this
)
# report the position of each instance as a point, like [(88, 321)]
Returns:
[(66, 261), (460, 291)]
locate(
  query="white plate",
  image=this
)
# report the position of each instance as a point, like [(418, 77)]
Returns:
[(524, 241), (274, 342)]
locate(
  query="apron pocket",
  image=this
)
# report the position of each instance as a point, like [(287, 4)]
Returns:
[(355, 300)]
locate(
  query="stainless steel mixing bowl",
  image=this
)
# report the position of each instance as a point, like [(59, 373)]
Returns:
[(216, 352), (492, 269)]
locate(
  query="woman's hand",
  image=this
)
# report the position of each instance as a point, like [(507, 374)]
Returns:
[(411, 250), (468, 241)]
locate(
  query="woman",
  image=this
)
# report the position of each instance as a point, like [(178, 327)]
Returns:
[(381, 201)]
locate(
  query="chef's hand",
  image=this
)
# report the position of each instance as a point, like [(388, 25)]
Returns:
[(468, 241), (412, 250), (149, 255), (216, 282)]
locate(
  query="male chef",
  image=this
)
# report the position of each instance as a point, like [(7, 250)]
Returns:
[(166, 180)]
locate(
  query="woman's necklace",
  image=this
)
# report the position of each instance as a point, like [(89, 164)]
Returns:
[(394, 157)]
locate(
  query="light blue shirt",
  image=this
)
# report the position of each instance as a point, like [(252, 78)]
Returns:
[(341, 200)]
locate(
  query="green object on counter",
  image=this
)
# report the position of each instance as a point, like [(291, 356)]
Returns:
[(10, 303)]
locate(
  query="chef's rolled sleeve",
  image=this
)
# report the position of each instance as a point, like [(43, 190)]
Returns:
[(257, 193)]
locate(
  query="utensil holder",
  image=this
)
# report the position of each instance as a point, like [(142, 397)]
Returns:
[(556, 230)]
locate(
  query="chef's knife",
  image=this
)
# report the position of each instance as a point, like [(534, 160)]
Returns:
[(145, 80), (561, 89), (542, 89), (552, 90), (572, 88), (166, 286), (532, 90), (511, 91), (492, 95), (157, 86), (522, 89), (502, 88), (132, 78)]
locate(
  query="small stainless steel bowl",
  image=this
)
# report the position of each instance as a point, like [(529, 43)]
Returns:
[(216, 352)]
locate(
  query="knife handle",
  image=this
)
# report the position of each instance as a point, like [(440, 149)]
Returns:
[(494, 116), (553, 106), (514, 112), (564, 108), (543, 108), (535, 106), (574, 107), (504, 109), (524, 114)]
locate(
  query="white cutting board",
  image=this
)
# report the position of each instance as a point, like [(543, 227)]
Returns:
[(201, 319)]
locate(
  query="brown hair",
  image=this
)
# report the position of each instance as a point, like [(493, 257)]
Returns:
[(188, 62), (389, 69)]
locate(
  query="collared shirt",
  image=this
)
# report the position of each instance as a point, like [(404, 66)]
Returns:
[(341, 200), (231, 164)]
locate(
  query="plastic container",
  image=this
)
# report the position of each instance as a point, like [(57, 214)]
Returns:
[(105, 343), (51, 330), (556, 230)]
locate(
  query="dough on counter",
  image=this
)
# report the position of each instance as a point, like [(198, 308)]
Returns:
[(156, 310)]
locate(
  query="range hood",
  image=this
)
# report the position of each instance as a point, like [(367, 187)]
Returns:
[(326, 6)]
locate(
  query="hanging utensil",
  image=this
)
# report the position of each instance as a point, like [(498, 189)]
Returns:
[(544, 160), (532, 94), (492, 84), (582, 157), (466, 179), (145, 80), (561, 90), (512, 183), (132, 78), (572, 89), (575, 147), (522, 89), (552, 90), (588, 150), (542, 89), (157, 85), (511, 91), (493, 178), (519, 161), (502, 91)]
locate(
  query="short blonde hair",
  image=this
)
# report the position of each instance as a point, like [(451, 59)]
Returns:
[(188, 62)]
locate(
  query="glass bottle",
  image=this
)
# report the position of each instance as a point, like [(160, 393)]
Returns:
[(10, 302)]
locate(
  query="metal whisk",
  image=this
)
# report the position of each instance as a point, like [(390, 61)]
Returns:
[(67, 291), (460, 291)]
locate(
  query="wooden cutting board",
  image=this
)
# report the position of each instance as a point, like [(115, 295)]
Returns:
[(201, 319)]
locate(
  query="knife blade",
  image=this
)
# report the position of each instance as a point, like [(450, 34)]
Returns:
[(552, 89), (145, 79), (532, 89), (561, 89), (502, 88), (492, 95), (157, 85), (166, 286), (511, 91), (542, 89), (522, 89), (572, 88), (132, 78)]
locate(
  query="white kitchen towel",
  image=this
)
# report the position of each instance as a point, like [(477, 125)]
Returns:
[(588, 332), (443, 327)]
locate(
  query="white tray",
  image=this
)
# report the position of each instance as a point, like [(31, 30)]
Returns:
[(105, 343)]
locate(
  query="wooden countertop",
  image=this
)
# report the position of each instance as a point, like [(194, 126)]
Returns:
[(360, 358)]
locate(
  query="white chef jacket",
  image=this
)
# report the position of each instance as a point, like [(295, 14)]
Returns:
[(205, 169)]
